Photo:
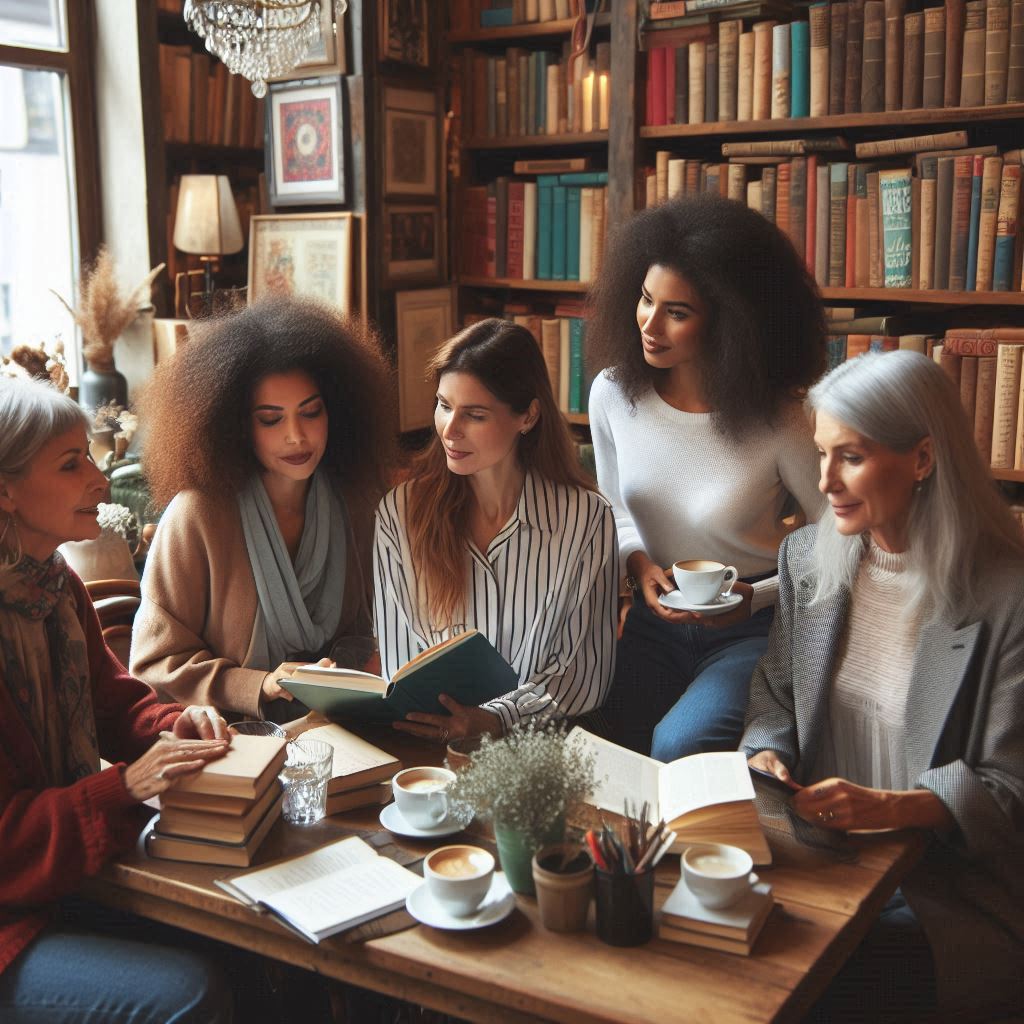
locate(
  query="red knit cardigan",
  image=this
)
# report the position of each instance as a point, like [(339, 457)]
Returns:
[(53, 837)]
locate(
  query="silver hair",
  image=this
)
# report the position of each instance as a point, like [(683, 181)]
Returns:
[(958, 519), (31, 413)]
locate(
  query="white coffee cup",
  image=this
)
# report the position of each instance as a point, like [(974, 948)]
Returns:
[(421, 795), (459, 877), (701, 581), (718, 875)]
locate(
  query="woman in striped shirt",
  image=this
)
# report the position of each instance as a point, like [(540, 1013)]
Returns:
[(499, 530)]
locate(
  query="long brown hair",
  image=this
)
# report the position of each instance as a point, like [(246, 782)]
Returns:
[(506, 359)]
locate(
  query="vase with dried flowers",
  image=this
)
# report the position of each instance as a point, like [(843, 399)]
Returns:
[(525, 783), (104, 312)]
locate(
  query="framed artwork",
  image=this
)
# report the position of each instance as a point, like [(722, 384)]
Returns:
[(328, 55), (410, 142), (304, 145), (403, 32), (413, 243), (423, 321), (302, 254)]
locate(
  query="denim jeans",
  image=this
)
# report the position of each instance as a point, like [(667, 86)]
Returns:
[(682, 689)]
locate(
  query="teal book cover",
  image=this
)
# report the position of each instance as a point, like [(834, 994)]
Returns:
[(559, 212), (971, 280), (545, 216), (894, 199), (572, 233), (583, 178), (835, 351), (575, 364), (799, 69)]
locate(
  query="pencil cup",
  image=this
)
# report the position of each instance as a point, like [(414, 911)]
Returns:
[(304, 776), (625, 907), (563, 875)]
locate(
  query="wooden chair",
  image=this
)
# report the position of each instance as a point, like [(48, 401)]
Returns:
[(116, 602)]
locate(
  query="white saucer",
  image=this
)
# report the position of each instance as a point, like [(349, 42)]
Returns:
[(394, 821), (674, 600), (497, 905)]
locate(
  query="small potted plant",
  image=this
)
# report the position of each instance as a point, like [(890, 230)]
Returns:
[(525, 783), (563, 874)]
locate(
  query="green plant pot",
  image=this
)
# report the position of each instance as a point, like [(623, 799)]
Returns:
[(516, 850)]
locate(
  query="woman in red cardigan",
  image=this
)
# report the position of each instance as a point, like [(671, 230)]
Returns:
[(64, 701)]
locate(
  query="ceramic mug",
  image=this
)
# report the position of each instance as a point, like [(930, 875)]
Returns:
[(459, 877), (701, 581), (718, 875), (422, 795)]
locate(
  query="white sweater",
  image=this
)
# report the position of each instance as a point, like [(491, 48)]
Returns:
[(681, 490)]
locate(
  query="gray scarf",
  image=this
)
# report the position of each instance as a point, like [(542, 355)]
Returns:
[(299, 606)]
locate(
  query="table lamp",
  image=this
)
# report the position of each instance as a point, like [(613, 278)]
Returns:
[(206, 223)]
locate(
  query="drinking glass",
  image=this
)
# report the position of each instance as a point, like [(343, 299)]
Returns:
[(304, 777), (256, 727)]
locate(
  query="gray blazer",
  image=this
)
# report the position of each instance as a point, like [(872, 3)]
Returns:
[(964, 732)]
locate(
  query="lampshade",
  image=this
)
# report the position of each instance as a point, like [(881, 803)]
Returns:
[(206, 223)]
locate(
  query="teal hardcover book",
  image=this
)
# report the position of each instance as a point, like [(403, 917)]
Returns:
[(572, 233), (465, 667), (559, 214), (545, 215), (894, 196), (575, 364), (970, 281), (582, 178), (799, 69)]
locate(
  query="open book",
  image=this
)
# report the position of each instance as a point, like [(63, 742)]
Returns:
[(705, 798), (466, 667), (357, 762), (330, 890)]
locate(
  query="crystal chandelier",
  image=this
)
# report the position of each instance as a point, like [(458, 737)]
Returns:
[(258, 39)]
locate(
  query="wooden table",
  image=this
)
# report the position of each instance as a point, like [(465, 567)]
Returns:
[(518, 971)]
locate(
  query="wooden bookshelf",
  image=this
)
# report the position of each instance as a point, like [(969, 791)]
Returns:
[(523, 30), (514, 284), (581, 419), (576, 139), (1010, 475), (916, 296)]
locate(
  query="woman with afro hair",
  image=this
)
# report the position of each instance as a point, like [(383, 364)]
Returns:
[(268, 440), (708, 330)]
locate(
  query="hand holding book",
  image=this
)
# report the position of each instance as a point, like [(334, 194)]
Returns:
[(461, 721)]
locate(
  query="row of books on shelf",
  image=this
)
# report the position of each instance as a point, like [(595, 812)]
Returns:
[(536, 92), (848, 57), (465, 15), (551, 228), (202, 102), (985, 364), (945, 222)]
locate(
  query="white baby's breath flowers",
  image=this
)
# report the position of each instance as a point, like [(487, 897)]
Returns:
[(116, 519)]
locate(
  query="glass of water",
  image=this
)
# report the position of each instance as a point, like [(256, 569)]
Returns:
[(304, 776)]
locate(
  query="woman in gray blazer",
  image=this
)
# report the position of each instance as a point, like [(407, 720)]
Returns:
[(892, 692)]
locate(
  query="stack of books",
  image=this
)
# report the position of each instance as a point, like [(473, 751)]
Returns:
[(732, 929), (223, 813)]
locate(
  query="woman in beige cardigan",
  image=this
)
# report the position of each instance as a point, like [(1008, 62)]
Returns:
[(268, 435)]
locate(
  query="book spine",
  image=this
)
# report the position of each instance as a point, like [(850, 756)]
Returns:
[(501, 227), (780, 72), (798, 204), (972, 77), (697, 61), (1018, 444), (783, 180), (862, 248), (545, 230), (968, 386), (491, 263), (551, 347), (754, 195), (929, 169), (799, 69), (943, 220), (991, 176), (769, 192), (810, 232), (516, 230), (661, 175), (1015, 62), (955, 14), (962, 177), (1007, 398), (876, 269), (656, 113), (997, 50), (576, 362), (837, 224), (984, 407), (894, 194), (872, 95), (529, 230), (915, 231), (587, 218), (558, 232), (851, 225), (745, 83), (838, 19), (1006, 228), (934, 57), (974, 224), (854, 56), (680, 100), (915, 144), (894, 14), (728, 59), (822, 227), (736, 182), (572, 233), (762, 70), (913, 61), (711, 81), (818, 14)]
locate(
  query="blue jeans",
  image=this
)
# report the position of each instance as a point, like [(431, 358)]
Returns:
[(688, 685), (68, 976)]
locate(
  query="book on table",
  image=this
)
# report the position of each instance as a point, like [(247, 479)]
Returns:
[(329, 890), (204, 823), (377, 794), (732, 929), (357, 762), (704, 798), (245, 771), (466, 667)]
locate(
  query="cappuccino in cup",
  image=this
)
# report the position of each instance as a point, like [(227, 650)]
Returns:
[(421, 795), (718, 875), (701, 581), (459, 877)]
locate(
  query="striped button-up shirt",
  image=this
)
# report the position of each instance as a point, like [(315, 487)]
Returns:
[(544, 594)]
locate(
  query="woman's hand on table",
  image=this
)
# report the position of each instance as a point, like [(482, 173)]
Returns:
[(464, 720), (170, 758), (841, 804)]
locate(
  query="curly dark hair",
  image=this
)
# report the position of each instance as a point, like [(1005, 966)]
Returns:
[(196, 406), (765, 340)]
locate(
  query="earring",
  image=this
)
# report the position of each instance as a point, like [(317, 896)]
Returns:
[(13, 557), (919, 487), (525, 431)]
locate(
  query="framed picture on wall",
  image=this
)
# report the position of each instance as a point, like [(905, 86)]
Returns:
[(305, 153), (423, 322), (303, 254), (403, 32), (413, 243), (327, 55), (410, 142)]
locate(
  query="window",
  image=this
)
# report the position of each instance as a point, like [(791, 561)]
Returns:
[(49, 199)]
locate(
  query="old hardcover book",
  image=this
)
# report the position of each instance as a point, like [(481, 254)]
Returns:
[(943, 221), (955, 14), (876, 267), (556, 165), (915, 230), (769, 191), (741, 922), (934, 57), (913, 60), (745, 77), (201, 823), (981, 341), (1007, 399), (950, 364), (810, 228), (785, 147), (862, 250), (1015, 62), (798, 204), (968, 386), (728, 61), (736, 182), (799, 69), (377, 794), (997, 50), (754, 195), (697, 62), (972, 75), (851, 224), (914, 144), (894, 13), (357, 762), (1018, 444), (894, 195), (926, 267), (762, 70), (963, 168), (783, 179), (680, 98), (837, 224), (872, 89), (818, 15), (711, 81), (700, 796), (837, 56), (854, 56), (781, 53), (974, 224), (1006, 228), (246, 770), (985, 406), (822, 227)]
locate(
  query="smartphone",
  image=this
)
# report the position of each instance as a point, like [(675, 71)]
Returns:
[(770, 785)]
